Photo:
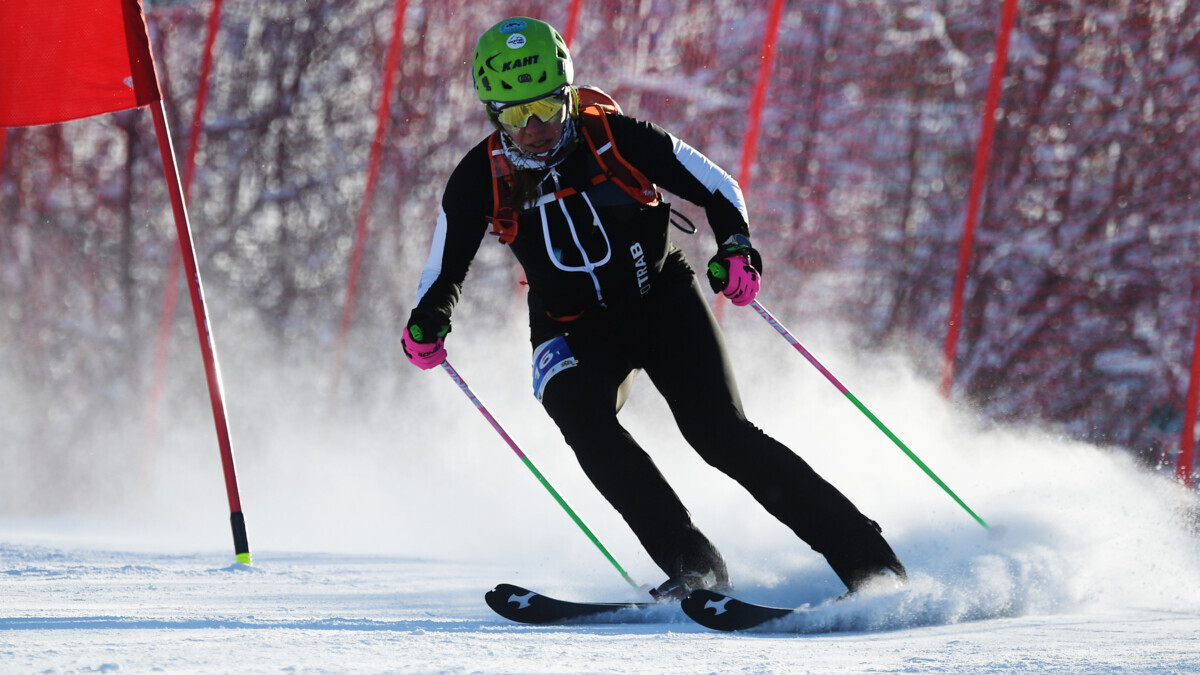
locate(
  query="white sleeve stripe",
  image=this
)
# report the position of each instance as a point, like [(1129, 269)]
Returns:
[(433, 264), (710, 175)]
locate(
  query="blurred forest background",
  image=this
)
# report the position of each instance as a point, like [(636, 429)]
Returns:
[(1084, 289)]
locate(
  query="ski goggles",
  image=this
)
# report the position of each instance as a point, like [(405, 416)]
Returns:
[(547, 109)]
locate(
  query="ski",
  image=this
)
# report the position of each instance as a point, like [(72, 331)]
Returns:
[(525, 606), (721, 612)]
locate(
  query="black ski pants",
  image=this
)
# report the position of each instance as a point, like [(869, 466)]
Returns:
[(672, 335)]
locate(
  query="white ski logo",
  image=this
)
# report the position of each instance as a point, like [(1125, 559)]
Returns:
[(521, 600), (718, 605)]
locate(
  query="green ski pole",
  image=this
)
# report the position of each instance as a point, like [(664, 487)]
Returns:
[(858, 404), (538, 474)]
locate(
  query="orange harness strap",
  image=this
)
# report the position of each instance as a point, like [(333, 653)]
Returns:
[(593, 106)]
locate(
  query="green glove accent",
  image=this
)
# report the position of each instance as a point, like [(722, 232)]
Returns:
[(718, 270), (418, 335)]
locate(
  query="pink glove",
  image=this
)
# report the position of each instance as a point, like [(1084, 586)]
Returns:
[(424, 355), (734, 271), (742, 282)]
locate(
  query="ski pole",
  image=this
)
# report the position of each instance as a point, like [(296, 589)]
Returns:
[(858, 404), (462, 384)]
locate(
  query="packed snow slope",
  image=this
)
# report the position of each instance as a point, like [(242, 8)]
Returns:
[(376, 533)]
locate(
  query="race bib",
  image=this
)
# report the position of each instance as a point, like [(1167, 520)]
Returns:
[(550, 358)]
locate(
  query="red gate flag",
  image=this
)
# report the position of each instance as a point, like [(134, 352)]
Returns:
[(66, 59)]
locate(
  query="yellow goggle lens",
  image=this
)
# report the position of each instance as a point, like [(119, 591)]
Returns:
[(547, 109)]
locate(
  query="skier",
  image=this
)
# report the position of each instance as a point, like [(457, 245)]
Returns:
[(571, 187)]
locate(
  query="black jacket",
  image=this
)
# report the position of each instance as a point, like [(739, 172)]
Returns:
[(600, 248)]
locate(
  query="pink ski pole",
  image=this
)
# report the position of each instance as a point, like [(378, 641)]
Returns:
[(840, 387), (462, 384)]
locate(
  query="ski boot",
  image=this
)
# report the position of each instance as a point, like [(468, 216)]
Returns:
[(714, 578), (869, 563)]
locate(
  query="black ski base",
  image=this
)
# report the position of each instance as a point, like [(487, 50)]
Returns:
[(525, 606), (721, 612)]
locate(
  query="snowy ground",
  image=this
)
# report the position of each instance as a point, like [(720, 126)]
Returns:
[(89, 610), (374, 543)]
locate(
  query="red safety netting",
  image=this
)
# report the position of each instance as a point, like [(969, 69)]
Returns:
[(1082, 296)]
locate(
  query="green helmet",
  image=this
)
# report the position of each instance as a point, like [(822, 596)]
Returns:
[(520, 59)]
